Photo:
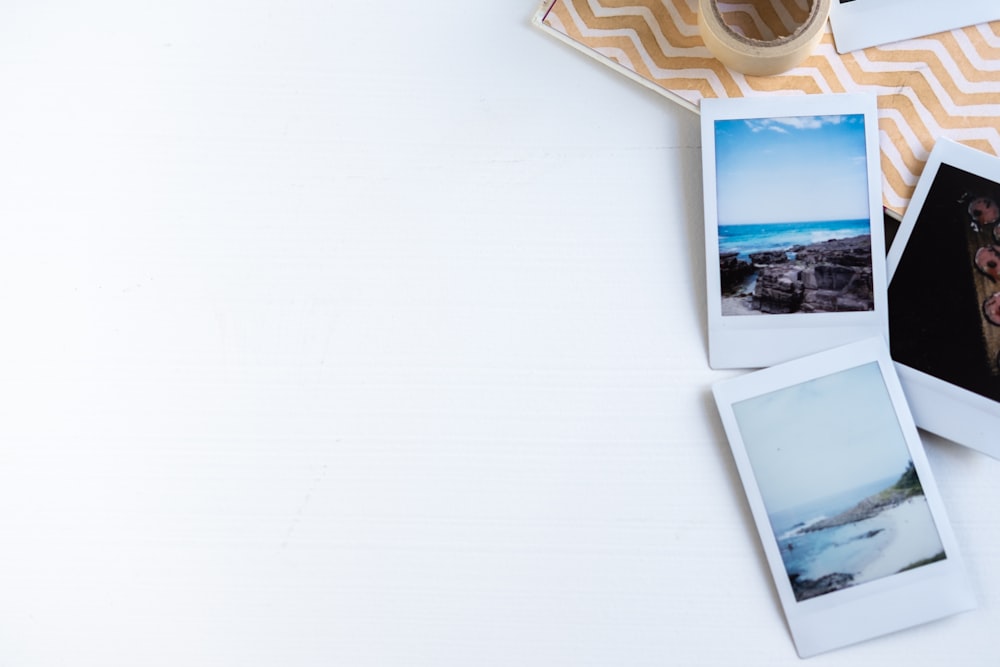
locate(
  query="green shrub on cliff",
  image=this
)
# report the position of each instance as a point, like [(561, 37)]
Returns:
[(907, 486), (908, 482)]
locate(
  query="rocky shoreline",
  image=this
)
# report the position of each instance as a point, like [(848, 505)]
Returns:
[(810, 588), (827, 277), (906, 487), (865, 509), (897, 495), (906, 550)]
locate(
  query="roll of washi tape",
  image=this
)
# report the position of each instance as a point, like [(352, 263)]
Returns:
[(760, 57)]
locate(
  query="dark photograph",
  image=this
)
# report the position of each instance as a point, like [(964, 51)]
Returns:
[(944, 298)]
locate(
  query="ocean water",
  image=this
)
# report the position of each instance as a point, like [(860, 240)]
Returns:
[(841, 549), (748, 238)]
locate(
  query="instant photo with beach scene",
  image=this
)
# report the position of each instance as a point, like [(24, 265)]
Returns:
[(794, 229), (839, 486)]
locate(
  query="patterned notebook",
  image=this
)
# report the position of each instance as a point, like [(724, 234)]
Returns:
[(942, 85)]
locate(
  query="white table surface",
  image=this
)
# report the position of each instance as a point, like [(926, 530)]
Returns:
[(362, 334)]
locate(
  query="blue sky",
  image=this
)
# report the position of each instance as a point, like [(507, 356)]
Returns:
[(822, 437), (791, 169)]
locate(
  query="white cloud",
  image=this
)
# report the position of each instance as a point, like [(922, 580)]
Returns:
[(762, 124), (796, 122)]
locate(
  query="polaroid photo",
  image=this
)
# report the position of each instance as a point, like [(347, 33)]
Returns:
[(851, 522), (944, 297), (858, 24), (794, 235)]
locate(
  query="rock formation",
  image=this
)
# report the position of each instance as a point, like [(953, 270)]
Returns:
[(832, 276), (810, 588), (733, 271)]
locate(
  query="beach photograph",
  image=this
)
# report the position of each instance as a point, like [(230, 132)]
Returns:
[(841, 492), (794, 227)]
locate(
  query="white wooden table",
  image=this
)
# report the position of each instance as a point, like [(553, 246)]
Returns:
[(360, 334)]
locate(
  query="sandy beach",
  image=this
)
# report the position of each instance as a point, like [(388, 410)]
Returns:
[(855, 552), (913, 537)]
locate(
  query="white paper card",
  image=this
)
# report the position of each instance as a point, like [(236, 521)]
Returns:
[(858, 24), (944, 297), (794, 238), (850, 519)]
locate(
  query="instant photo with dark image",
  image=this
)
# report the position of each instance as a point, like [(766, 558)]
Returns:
[(944, 298), (841, 492), (794, 230)]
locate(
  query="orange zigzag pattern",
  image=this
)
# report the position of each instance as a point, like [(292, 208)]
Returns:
[(943, 85)]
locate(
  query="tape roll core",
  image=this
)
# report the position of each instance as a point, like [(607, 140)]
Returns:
[(760, 57)]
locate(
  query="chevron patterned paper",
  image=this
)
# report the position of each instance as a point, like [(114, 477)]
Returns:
[(942, 85)]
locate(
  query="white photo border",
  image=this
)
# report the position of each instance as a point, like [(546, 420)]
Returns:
[(939, 406), (877, 607), (759, 341)]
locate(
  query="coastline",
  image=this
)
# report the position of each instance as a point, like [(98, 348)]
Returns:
[(866, 509), (899, 536), (829, 276), (885, 533)]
